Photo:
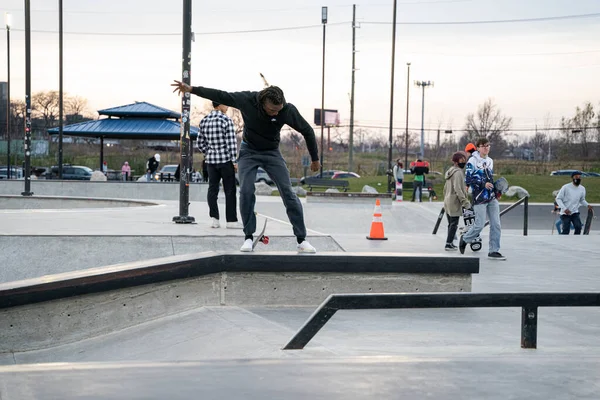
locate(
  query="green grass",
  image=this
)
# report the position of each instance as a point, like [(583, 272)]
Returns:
[(540, 187)]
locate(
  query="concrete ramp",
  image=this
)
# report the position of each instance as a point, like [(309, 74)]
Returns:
[(69, 307)]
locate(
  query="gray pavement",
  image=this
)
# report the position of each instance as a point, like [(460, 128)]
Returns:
[(453, 353)]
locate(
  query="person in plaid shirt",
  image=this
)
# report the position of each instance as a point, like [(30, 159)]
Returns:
[(216, 139), (264, 115)]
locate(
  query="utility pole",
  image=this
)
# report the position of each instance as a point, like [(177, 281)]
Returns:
[(60, 90), (423, 85), (406, 128), (351, 135), (389, 175), (186, 104), (8, 113), (27, 139), (322, 121)]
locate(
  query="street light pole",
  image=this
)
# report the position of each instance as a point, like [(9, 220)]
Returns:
[(406, 128), (7, 19), (322, 121), (60, 90), (27, 139), (423, 85), (390, 139)]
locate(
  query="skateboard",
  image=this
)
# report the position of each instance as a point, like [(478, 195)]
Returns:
[(398, 191), (500, 187), (469, 220), (588, 222), (261, 237)]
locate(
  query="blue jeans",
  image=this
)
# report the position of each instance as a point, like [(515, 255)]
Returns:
[(567, 220), (274, 164), (558, 224), (492, 209)]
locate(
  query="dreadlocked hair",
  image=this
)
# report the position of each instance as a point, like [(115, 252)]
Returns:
[(272, 93)]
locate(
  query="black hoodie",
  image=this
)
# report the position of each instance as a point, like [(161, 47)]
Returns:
[(261, 131)]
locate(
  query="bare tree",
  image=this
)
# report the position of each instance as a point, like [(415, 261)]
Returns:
[(17, 117), (489, 123), (582, 127), (45, 106), (76, 106)]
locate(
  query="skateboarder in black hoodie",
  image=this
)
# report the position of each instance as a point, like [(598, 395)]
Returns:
[(264, 115)]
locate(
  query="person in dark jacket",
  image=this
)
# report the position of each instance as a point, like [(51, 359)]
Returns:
[(152, 167), (419, 169), (264, 114)]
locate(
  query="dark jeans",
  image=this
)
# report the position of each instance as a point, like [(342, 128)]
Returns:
[(452, 228), (274, 164), (566, 223), (417, 186), (216, 172)]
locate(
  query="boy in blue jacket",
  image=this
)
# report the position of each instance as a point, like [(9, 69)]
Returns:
[(480, 177)]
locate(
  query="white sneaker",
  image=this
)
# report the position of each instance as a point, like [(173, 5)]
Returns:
[(306, 247), (234, 225), (247, 246), (215, 223)]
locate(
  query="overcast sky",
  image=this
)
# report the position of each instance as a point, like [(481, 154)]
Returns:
[(118, 52)]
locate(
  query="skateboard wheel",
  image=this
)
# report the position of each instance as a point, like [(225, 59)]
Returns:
[(265, 239), (475, 246)]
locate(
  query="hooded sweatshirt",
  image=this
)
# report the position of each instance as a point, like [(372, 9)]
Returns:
[(455, 192), (479, 171), (261, 131)]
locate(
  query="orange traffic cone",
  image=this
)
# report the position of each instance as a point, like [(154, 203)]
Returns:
[(377, 224)]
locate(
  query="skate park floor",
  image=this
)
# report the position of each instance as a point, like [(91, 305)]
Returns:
[(235, 352)]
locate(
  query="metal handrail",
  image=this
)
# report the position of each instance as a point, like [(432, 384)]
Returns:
[(529, 303)]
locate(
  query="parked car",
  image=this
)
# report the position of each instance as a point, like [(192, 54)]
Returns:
[(567, 172), (72, 172), (168, 169), (15, 172), (344, 175), (593, 174), (327, 174)]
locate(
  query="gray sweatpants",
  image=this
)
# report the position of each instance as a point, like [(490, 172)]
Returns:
[(273, 163)]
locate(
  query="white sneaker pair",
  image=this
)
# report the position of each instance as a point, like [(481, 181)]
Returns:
[(230, 225), (303, 247)]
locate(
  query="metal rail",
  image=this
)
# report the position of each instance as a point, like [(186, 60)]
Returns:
[(529, 303)]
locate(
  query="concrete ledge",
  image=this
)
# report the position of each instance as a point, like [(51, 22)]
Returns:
[(341, 196), (65, 308), (13, 202)]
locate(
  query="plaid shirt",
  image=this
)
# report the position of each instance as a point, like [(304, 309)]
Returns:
[(216, 138)]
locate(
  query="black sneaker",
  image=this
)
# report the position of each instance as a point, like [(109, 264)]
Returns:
[(450, 247), (496, 256), (462, 245)]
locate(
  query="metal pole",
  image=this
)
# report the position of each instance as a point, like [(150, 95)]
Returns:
[(27, 140), (101, 153), (60, 89), (351, 134), (186, 104), (322, 121), (529, 317), (406, 129), (423, 123), (8, 113), (390, 177)]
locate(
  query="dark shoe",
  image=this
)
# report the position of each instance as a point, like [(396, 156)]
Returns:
[(462, 245), (450, 247), (496, 256)]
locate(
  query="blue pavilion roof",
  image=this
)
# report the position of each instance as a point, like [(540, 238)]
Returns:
[(139, 109), (130, 128)]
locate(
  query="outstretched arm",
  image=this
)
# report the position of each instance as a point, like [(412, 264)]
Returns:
[(231, 99)]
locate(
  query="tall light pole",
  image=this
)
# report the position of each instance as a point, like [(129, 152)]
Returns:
[(407, 102), (351, 133), (322, 121), (60, 89), (7, 20), (423, 85), (27, 139), (389, 175)]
